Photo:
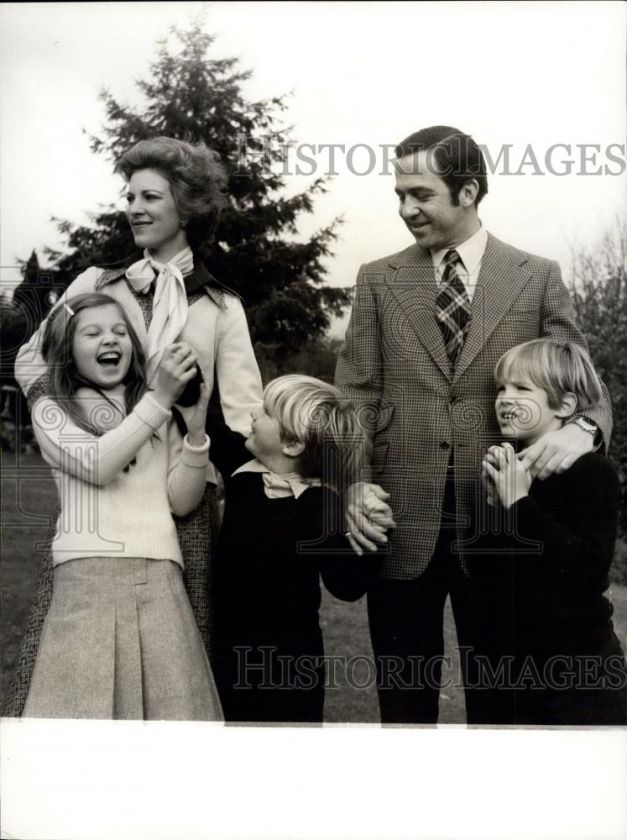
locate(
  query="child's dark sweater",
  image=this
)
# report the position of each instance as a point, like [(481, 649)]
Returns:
[(270, 556), (561, 545), (546, 571)]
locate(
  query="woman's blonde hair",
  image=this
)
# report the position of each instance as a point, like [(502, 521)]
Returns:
[(558, 367), (316, 414), (197, 179)]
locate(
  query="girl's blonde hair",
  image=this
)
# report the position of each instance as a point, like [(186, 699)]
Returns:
[(316, 414), (558, 367)]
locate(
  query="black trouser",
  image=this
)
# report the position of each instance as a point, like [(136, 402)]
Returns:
[(406, 627), (270, 683), (270, 677)]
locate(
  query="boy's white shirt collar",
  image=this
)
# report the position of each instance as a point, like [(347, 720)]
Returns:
[(277, 486)]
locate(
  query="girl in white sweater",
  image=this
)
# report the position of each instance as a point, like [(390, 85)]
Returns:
[(119, 640)]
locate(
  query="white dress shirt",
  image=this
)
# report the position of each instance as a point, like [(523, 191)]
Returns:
[(471, 254)]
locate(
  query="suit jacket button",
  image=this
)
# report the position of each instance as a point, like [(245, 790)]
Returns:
[(444, 444)]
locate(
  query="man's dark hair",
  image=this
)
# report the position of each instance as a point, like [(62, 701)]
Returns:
[(456, 158)]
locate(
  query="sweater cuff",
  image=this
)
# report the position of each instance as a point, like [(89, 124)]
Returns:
[(195, 456), (521, 507), (526, 519), (151, 412), (40, 388)]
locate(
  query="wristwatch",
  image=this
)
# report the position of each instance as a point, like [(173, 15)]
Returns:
[(590, 427), (584, 424)]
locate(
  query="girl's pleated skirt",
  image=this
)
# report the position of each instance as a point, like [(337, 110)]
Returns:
[(120, 641)]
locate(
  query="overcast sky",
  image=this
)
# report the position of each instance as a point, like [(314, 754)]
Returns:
[(508, 73)]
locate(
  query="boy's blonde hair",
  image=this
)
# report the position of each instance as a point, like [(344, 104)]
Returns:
[(316, 414), (558, 367)]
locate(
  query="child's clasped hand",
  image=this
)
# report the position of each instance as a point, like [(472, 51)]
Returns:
[(176, 369), (504, 476)]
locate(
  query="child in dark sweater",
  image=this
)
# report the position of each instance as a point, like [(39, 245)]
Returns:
[(282, 531), (547, 560)]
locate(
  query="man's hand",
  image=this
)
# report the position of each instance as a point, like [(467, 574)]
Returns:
[(509, 478), (368, 516), (556, 451)]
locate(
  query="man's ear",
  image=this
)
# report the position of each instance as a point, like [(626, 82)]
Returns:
[(567, 407), (293, 449), (468, 193)]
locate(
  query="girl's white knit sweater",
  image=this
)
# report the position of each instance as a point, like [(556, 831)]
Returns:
[(117, 491)]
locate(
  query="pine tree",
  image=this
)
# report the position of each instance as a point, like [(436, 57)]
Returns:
[(38, 291), (599, 293), (191, 96)]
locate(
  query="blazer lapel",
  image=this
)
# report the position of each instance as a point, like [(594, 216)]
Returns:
[(413, 286), (501, 279)]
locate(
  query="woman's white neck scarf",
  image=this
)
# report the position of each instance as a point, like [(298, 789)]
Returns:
[(169, 303)]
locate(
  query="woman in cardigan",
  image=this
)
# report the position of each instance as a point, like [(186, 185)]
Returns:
[(174, 197)]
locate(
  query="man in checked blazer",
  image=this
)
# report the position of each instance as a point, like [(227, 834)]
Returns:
[(432, 419)]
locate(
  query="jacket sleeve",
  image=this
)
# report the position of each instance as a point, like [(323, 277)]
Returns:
[(344, 573), (30, 369), (237, 372), (187, 471), (580, 542), (558, 322), (359, 371), (228, 451), (92, 458)]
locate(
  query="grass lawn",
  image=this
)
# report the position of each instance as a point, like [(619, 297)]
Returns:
[(28, 503)]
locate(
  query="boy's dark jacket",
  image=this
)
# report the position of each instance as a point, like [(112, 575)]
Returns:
[(278, 548)]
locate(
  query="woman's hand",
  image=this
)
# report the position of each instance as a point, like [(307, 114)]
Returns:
[(176, 369), (509, 478), (196, 423)]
